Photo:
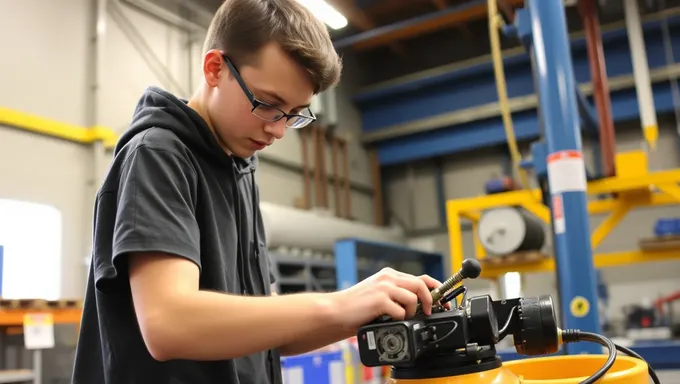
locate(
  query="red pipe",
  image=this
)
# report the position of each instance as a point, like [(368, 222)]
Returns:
[(598, 74)]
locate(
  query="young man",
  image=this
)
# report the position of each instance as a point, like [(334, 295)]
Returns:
[(179, 285)]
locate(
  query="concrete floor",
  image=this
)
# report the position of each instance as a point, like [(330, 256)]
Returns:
[(668, 377)]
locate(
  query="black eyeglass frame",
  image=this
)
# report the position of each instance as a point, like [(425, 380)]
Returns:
[(257, 103)]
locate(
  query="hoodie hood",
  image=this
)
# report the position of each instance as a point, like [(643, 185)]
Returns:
[(158, 108)]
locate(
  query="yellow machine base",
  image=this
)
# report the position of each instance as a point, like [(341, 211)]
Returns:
[(550, 370)]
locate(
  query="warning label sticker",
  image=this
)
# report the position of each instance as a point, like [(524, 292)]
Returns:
[(558, 214), (566, 172)]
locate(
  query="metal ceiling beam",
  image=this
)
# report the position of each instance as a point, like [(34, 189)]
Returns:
[(362, 21), (420, 25)]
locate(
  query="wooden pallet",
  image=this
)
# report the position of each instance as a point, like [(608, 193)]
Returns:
[(514, 259), (6, 304)]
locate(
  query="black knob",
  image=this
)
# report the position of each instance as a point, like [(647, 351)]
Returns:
[(471, 269)]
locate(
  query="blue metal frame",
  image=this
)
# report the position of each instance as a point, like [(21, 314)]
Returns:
[(469, 87), (559, 111), (347, 252)]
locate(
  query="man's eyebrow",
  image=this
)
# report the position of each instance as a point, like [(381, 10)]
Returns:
[(280, 99)]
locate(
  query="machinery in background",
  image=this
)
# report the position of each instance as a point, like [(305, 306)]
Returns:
[(510, 230), (500, 185), (459, 343), (664, 307), (653, 321)]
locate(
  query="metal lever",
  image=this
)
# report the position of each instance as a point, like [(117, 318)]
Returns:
[(471, 269)]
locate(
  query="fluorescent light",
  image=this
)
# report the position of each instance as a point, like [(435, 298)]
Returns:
[(324, 12)]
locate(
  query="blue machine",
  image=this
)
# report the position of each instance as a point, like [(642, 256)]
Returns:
[(564, 166)]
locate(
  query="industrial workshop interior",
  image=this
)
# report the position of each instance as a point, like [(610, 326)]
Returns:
[(524, 153)]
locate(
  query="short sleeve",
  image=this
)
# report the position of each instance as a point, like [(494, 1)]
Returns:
[(156, 208)]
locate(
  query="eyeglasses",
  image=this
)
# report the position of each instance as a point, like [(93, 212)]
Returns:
[(268, 112)]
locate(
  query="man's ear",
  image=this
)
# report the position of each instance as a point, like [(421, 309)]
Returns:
[(213, 67)]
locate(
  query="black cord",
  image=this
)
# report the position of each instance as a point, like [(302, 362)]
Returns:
[(506, 327), (632, 353), (572, 336), (449, 333)]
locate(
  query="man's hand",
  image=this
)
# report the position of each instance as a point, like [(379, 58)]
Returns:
[(388, 292)]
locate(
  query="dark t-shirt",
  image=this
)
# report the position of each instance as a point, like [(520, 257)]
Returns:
[(172, 189)]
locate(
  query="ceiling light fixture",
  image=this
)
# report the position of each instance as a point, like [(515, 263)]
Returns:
[(325, 12)]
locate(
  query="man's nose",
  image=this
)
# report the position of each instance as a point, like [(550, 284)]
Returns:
[(276, 129)]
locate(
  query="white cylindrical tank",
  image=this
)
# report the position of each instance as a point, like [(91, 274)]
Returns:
[(292, 227)]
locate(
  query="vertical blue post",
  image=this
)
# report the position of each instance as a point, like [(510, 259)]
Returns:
[(566, 171), (346, 271)]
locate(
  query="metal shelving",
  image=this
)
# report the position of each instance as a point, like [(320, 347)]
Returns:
[(297, 274)]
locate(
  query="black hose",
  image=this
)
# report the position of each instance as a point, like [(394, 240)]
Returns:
[(632, 353), (573, 336)]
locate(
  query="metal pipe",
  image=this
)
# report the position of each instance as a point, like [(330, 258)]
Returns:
[(318, 186), (643, 84), (566, 169), (144, 49), (336, 172), (345, 177), (165, 16), (385, 34), (322, 166), (306, 177), (598, 73)]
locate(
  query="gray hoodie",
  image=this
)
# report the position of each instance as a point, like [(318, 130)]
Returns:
[(171, 188)]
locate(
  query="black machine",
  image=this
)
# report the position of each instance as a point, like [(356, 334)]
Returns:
[(461, 340)]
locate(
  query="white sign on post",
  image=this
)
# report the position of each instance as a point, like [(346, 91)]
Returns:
[(38, 331)]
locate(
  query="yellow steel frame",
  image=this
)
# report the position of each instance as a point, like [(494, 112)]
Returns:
[(633, 187), (49, 127)]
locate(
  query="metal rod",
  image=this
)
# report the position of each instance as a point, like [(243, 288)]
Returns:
[(346, 179), (598, 73), (376, 35), (306, 177), (643, 83), (318, 190), (336, 171), (566, 168), (144, 49)]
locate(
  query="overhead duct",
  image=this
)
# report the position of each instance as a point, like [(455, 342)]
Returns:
[(318, 231)]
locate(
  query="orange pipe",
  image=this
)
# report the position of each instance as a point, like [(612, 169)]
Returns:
[(598, 73)]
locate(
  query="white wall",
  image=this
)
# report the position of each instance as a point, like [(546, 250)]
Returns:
[(46, 56), (465, 175)]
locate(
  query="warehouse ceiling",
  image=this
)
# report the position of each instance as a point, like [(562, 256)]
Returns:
[(391, 38)]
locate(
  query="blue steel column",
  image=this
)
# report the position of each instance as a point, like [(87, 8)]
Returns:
[(559, 109)]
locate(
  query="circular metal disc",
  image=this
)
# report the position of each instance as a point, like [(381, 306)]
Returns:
[(501, 230)]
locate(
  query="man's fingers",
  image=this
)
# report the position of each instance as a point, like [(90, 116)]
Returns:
[(419, 287), (394, 310), (405, 298), (431, 282)]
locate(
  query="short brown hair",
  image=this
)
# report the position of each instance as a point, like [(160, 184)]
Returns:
[(240, 28)]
